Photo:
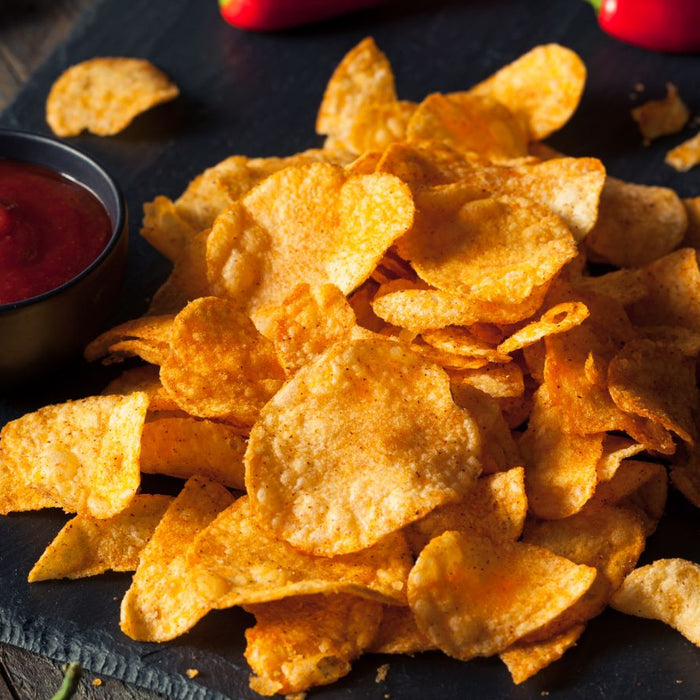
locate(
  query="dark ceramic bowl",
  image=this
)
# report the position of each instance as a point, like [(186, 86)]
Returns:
[(39, 333)]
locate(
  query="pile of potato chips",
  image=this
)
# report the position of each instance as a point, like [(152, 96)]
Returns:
[(423, 385)]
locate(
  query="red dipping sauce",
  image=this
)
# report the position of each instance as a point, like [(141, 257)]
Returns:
[(51, 229)]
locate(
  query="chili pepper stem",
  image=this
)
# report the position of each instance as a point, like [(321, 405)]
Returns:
[(70, 681), (596, 4)]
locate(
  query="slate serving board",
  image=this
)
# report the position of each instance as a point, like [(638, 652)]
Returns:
[(257, 95)]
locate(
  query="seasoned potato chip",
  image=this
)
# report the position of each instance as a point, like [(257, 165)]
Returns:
[(332, 466), (468, 123), (636, 224), (306, 323), (219, 366), (164, 228), (147, 380), (542, 88), (399, 634), (104, 95), (557, 319), (560, 472), (262, 247), (461, 341), (82, 455), (499, 381), (525, 659), (665, 590), (148, 337), (377, 125), (88, 546), (472, 603), (495, 507), (498, 249), (307, 641), (163, 600), (686, 155), (238, 561), (661, 117), (183, 447), (615, 449)]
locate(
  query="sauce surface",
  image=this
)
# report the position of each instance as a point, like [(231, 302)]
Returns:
[(51, 229)]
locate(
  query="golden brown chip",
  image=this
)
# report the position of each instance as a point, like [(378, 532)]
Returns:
[(333, 464), (104, 95), (686, 155), (87, 546), (666, 590), (615, 449), (525, 659), (495, 507), (542, 88), (471, 602), (82, 455), (238, 561), (219, 366), (560, 473), (163, 601), (306, 323), (499, 381), (262, 247), (497, 249), (148, 337), (636, 224), (376, 125), (307, 641), (146, 379), (468, 123), (164, 228), (182, 446), (399, 634), (461, 341), (661, 117)]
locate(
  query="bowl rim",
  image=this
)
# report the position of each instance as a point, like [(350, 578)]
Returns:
[(118, 224)]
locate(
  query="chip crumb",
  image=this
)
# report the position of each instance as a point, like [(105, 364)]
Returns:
[(679, 681), (382, 672), (544, 693), (191, 672), (661, 117), (686, 155), (295, 696), (97, 682)]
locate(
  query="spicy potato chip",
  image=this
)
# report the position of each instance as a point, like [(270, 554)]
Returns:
[(472, 603), (219, 366), (237, 560), (686, 155), (82, 455), (661, 117), (148, 337), (542, 88), (311, 484), (103, 95), (666, 590), (163, 600), (498, 249), (399, 634), (146, 379), (307, 640), (263, 246), (87, 546)]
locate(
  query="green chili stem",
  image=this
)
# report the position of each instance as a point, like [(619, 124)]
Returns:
[(70, 682)]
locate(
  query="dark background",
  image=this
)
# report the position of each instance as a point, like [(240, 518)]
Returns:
[(257, 95)]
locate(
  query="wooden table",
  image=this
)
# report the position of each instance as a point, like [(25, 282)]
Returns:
[(29, 31)]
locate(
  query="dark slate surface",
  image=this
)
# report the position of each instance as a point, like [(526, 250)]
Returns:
[(257, 95)]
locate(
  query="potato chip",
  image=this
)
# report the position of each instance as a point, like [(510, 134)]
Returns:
[(468, 123), (362, 78), (308, 641), (87, 546), (261, 248), (164, 228), (238, 561), (472, 603), (146, 379), (306, 323), (399, 634), (542, 88), (147, 336), (219, 366), (163, 600), (629, 477), (625, 286), (499, 381), (182, 446), (560, 472), (557, 319), (105, 94), (525, 659), (332, 467), (636, 224), (377, 125), (666, 590), (686, 155), (498, 249), (495, 507), (461, 341), (82, 455), (607, 538), (661, 117), (615, 449), (656, 382)]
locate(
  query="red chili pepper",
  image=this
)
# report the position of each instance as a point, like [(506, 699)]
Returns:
[(270, 15), (660, 25)]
